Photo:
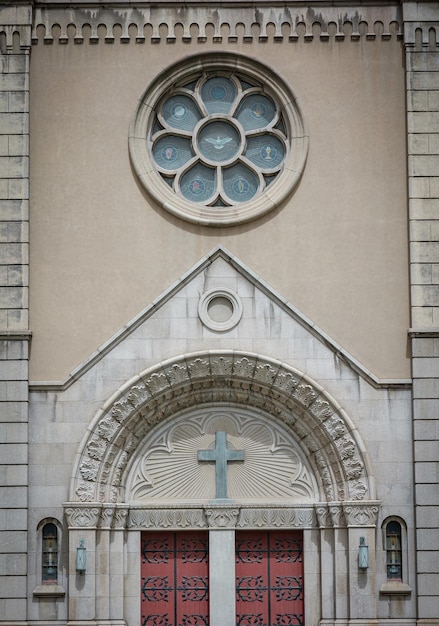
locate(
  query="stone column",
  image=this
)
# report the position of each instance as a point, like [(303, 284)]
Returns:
[(311, 571), (341, 580), (222, 577), (132, 581), (326, 565), (82, 521), (117, 566), (361, 527), (15, 41), (421, 39)]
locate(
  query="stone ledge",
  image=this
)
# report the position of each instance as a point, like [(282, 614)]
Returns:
[(396, 588), (423, 332), (49, 591)]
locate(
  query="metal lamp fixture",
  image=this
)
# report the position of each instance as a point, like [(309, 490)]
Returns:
[(81, 557), (363, 554)]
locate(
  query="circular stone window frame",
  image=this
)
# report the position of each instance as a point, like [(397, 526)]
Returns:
[(203, 309), (191, 69)]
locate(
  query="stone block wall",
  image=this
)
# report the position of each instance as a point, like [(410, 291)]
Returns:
[(15, 28), (421, 36)]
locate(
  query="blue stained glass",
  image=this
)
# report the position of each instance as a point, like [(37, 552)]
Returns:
[(266, 151), (240, 184), (218, 94), (256, 111), (181, 112), (172, 152), (219, 141), (198, 184)]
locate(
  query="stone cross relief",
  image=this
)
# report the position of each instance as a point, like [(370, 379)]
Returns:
[(221, 455)]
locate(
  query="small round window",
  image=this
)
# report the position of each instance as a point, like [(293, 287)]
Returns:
[(218, 140)]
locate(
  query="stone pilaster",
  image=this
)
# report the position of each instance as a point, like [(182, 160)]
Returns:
[(421, 37), (15, 39)]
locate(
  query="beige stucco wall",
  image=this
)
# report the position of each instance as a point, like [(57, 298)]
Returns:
[(337, 250)]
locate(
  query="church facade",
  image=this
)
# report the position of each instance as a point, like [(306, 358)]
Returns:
[(219, 319)]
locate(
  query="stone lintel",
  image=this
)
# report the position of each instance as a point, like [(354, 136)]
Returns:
[(423, 332)]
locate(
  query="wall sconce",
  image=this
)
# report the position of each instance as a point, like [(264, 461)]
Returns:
[(363, 554), (81, 557)]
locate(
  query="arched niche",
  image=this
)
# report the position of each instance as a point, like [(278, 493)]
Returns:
[(322, 432)]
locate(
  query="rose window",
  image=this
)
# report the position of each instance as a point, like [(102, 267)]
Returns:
[(218, 142)]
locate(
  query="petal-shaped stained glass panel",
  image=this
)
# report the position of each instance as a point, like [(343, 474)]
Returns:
[(181, 112), (218, 94), (219, 141), (198, 184), (240, 184), (256, 111), (265, 151), (172, 152)]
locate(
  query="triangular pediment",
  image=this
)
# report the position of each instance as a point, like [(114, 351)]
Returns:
[(222, 304)]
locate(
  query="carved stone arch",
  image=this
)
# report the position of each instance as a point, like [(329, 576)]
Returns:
[(318, 424)]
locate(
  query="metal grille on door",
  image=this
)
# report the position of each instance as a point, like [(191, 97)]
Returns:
[(174, 585), (269, 578)]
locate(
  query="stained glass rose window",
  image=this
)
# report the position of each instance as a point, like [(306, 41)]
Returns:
[(215, 144)]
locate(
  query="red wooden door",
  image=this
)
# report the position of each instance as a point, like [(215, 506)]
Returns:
[(269, 578), (174, 579)]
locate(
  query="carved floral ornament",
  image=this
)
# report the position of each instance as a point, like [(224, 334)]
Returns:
[(282, 394)]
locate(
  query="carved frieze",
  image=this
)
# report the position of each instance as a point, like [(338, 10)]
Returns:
[(364, 514), (323, 516), (82, 516), (120, 517), (336, 513), (222, 518), (110, 516), (166, 518), (276, 518), (106, 517)]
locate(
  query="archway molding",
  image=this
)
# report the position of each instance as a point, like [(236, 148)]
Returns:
[(322, 429)]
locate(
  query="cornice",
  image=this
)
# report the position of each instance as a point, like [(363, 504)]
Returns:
[(72, 4), (294, 21)]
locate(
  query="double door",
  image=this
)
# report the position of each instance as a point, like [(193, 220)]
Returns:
[(268, 573)]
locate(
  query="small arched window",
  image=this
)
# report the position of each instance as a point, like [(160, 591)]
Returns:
[(393, 550), (49, 556)]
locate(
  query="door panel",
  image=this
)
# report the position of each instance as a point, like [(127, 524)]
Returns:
[(269, 578), (174, 579)]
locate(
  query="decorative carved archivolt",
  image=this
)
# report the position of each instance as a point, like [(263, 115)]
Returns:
[(281, 395), (218, 22), (181, 517)]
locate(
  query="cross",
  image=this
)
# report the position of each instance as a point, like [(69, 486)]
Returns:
[(221, 455)]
